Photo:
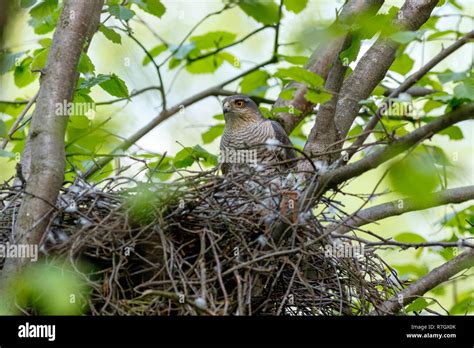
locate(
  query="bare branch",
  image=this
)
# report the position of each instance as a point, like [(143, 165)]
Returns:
[(437, 276), (401, 206), (20, 117)]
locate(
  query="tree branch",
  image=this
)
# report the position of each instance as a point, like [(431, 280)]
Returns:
[(437, 276), (373, 160), (401, 206), (405, 87), (375, 63), (321, 61)]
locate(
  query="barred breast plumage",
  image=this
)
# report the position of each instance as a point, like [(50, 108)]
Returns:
[(252, 141)]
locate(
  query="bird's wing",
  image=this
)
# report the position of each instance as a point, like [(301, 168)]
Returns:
[(283, 138)]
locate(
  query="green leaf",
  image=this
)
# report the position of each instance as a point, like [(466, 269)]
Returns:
[(448, 75), (93, 81), (205, 66), (416, 174), (85, 64), (263, 11), (463, 307), (27, 3), (212, 133), (110, 34), (297, 60), (453, 132), (210, 64), (154, 52), (8, 154), (44, 9), (300, 75), (174, 63), (402, 64), (121, 12), (255, 83), (462, 220), (189, 155), (287, 94), (411, 269), (154, 7), (408, 237), (317, 97), (183, 50), (23, 75), (465, 90), (441, 33), (431, 105), (164, 170), (115, 86), (212, 40), (350, 54), (417, 305), (44, 16), (404, 37), (39, 60), (46, 42), (230, 58), (8, 61), (295, 6)]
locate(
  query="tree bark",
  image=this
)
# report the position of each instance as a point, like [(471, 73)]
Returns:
[(43, 160), (401, 206), (374, 65), (321, 62)]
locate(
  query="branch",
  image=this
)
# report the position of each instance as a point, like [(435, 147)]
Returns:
[(401, 206), (18, 120), (405, 87), (152, 59), (324, 132), (415, 91), (373, 160), (437, 276), (320, 62), (375, 63), (217, 50)]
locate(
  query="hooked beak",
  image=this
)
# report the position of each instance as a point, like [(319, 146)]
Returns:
[(226, 107)]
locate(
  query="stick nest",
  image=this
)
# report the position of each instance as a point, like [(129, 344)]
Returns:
[(205, 244)]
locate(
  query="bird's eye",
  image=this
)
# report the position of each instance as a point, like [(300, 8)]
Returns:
[(239, 103)]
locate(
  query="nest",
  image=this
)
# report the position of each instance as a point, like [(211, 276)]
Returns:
[(205, 245)]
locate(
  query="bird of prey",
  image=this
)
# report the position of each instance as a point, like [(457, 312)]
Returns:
[(251, 140)]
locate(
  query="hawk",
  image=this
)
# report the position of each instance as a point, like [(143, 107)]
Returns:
[(252, 141)]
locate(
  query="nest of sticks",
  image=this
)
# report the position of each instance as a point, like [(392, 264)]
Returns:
[(205, 245)]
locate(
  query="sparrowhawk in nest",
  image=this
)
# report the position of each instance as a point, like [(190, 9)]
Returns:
[(252, 141)]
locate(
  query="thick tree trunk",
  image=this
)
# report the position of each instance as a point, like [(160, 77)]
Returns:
[(43, 160)]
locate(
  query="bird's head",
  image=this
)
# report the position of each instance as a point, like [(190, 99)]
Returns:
[(240, 109)]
